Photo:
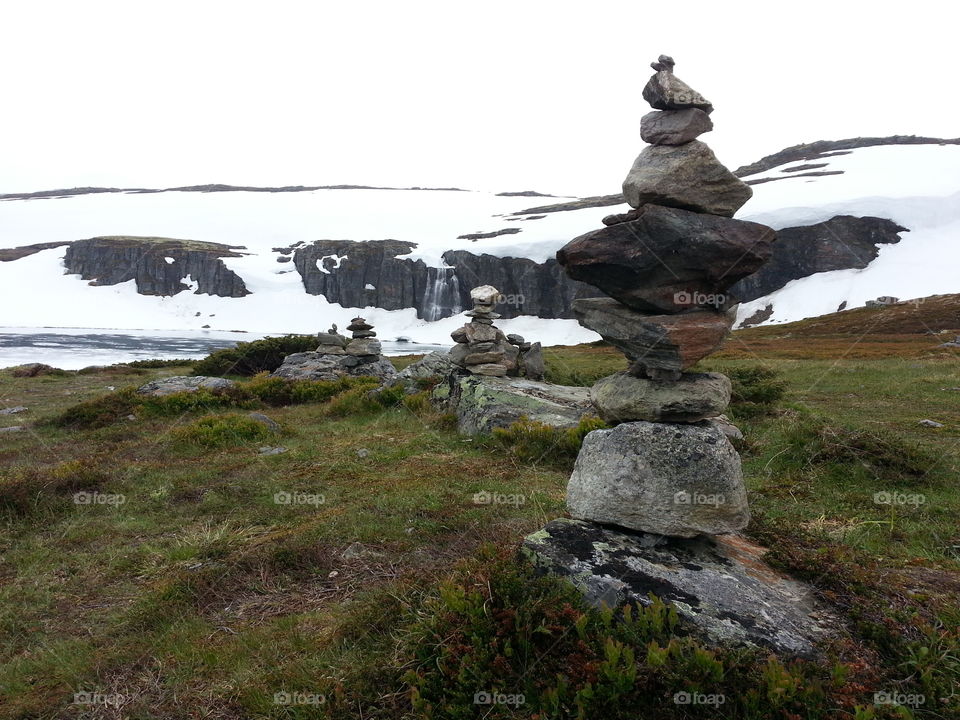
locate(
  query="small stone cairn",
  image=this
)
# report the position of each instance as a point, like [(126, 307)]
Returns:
[(667, 467), (337, 356), (483, 349)]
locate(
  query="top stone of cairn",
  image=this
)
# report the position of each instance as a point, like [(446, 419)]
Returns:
[(665, 91)]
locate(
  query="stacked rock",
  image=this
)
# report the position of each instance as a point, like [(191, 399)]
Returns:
[(667, 266), (483, 349), (332, 342), (364, 342)]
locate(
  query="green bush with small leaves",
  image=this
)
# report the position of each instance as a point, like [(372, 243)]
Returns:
[(250, 358)]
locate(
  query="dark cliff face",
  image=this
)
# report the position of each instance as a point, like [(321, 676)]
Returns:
[(375, 273), (840, 243), (114, 260)]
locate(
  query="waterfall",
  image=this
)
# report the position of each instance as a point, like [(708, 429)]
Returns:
[(441, 298)]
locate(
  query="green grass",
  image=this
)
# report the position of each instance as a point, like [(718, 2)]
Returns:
[(356, 565)]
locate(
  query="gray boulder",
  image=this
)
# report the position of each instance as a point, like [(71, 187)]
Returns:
[(184, 383), (333, 339), (674, 127), (13, 410), (267, 422), (533, 364), (667, 479), (435, 364), (722, 590), (694, 397), (364, 346), (483, 403), (686, 176)]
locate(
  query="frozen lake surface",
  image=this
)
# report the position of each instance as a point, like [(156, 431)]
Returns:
[(75, 348)]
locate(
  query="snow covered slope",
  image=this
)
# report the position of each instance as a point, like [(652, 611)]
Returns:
[(916, 186)]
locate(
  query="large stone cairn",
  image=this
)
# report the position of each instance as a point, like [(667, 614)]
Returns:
[(483, 349), (667, 467)]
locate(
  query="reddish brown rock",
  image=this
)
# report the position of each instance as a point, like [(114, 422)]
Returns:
[(656, 345)]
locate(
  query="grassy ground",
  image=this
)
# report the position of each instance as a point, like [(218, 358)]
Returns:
[(353, 575)]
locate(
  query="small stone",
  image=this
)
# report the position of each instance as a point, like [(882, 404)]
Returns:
[(515, 339), (674, 127), (478, 332), (483, 321), (665, 91), (272, 451), (459, 335), (362, 334), (364, 346), (268, 423), (694, 397), (484, 295), (489, 369), (12, 429), (332, 339), (931, 423), (13, 410), (733, 433), (363, 452), (484, 357), (532, 364)]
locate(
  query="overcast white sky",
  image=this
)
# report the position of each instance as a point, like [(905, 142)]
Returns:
[(486, 95)]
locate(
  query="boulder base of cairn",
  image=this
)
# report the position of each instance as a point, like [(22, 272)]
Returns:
[(687, 176), (484, 403), (364, 347), (655, 344), (721, 587), (669, 260), (661, 478), (695, 396), (327, 366), (674, 127)]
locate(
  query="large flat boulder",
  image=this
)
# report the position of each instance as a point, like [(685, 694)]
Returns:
[(482, 403), (723, 592), (669, 260), (686, 176), (674, 127), (184, 383), (664, 478), (667, 343)]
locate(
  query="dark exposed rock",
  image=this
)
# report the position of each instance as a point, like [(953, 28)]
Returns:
[(840, 243), (10, 254), (674, 127), (825, 148), (816, 173), (764, 314), (668, 259), (805, 166), (324, 366), (721, 587), (665, 91), (486, 235), (686, 176), (117, 259), (667, 343)]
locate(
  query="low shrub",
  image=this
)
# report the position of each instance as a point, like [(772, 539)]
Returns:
[(148, 364), (756, 391), (361, 400), (215, 431), (278, 391), (36, 369), (250, 358), (26, 489), (99, 412), (532, 441)]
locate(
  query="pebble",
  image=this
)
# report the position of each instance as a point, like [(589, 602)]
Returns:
[(13, 410), (11, 429), (272, 450), (931, 423), (362, 453)]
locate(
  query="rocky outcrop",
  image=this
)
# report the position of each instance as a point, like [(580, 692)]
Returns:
[(159, 266), (840, 243), (720, 587), (376, 273)]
